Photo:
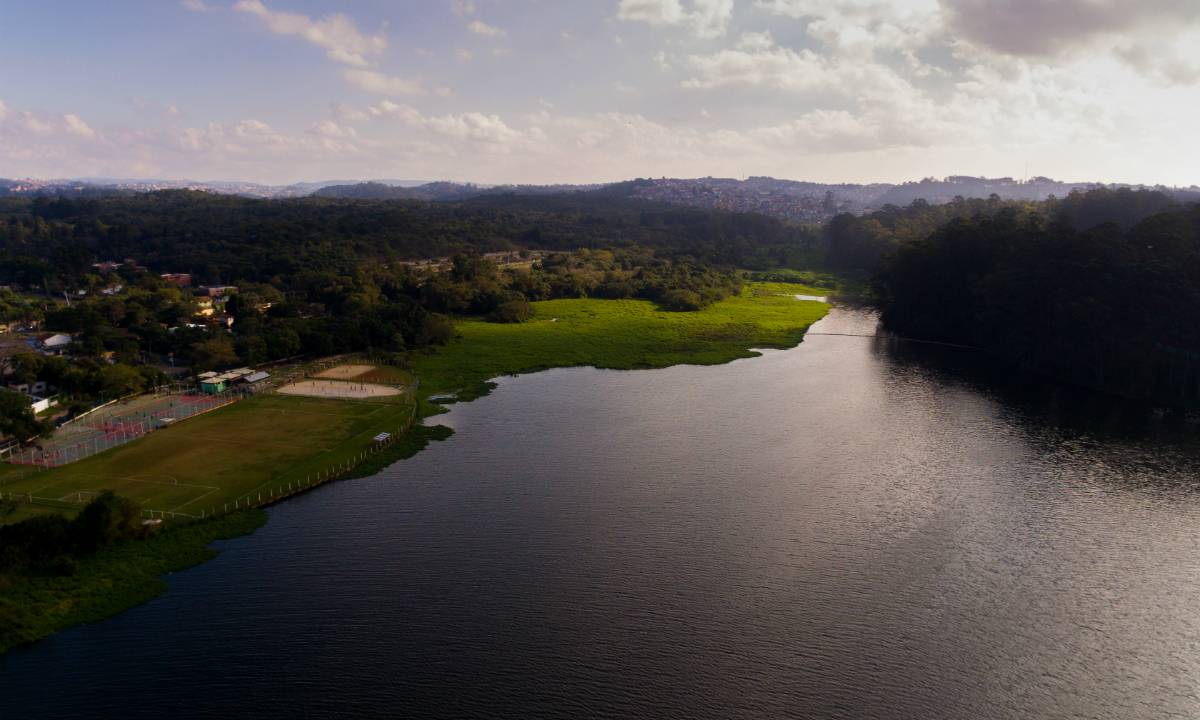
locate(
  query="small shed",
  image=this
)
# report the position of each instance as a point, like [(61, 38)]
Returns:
[(213, 385)]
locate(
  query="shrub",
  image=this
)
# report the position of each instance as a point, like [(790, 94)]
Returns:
[(513, 311)]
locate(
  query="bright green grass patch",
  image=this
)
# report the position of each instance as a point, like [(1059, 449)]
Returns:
[(224, 456), (114, 579), (619, 334)]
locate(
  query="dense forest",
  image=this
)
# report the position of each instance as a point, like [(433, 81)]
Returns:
[(223, 238), (318, 277), (1047, 285), (1103, 294)]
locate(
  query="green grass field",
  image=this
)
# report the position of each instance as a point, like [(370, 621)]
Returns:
[(620, 334), (231, 453), (264, 442)]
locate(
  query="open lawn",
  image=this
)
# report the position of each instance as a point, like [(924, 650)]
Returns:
[(231, 453), (620, 334)]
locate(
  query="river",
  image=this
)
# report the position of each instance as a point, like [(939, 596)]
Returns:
[(853, 528)]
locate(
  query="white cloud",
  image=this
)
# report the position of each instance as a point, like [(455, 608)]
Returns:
[(76, 126), (703, 18), (463, 8), (171, 110), (346, 113), (328, 128), (381, 83), (3, 110), (479, 27), (336, 34), (463, 54), (470, 126), (34, 126), (757, 60)]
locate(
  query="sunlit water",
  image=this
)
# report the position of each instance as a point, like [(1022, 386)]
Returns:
[(848, 529)]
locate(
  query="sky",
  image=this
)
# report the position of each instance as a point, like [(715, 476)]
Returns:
[(572, 91)]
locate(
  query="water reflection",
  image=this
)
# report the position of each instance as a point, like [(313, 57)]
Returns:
[(851, 529)]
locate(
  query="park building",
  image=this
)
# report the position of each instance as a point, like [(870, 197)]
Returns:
[(212, 383)]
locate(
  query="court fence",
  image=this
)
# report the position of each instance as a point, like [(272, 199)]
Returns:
[(259, 497), (113, 424)]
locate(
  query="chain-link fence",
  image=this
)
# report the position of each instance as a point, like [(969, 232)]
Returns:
[(115, 424)]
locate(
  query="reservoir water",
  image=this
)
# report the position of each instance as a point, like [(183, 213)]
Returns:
[(853, 528)]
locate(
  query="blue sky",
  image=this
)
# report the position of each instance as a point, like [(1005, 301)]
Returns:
[(561, 91)]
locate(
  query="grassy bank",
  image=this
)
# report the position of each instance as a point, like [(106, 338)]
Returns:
[(231, 453), (227, 455), (112, 580), (619, 334)]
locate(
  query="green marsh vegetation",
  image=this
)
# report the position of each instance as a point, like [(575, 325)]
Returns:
[(82, 585), (618, 334)]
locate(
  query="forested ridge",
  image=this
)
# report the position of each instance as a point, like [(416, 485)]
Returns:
[(224, 238), (1096, 288), (1113, 305)]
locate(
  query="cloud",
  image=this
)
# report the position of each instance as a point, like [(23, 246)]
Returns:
[(336, 34), (328, 128), (470, 126), (479, 27), (704, 18), (463, 54), (463, 8), (76, 126), (1042, 28), (381, 83), (757, 61), (196, 5), (346, 113), (35, 126), (3, 110)]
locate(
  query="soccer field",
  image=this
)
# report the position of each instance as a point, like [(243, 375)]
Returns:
[(229, 454)]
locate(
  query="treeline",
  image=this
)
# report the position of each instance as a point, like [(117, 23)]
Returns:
[(859, 243), (1111, 305), (222, 239), (50, 544)]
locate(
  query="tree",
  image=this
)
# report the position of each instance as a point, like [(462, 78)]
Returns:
[(106, 520), (16, 417), (214, 352), (512, 311), (120, 380)]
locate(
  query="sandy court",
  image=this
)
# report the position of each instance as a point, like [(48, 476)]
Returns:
[(345, 372), (338, 389)]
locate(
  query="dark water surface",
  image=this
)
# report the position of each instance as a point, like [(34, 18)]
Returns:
[(849, 529)]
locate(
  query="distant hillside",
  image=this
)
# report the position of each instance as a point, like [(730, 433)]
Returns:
[(381, 191), (797, 201), (441, 191)]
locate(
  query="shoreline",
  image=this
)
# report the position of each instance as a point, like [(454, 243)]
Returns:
[(442, 376)]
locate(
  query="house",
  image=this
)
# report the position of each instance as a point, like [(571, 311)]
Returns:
[(34, 388), (106, 266), (54, 344), (112, 289), (41, 404), (220, 290), (213, 385), (256, 377), (177, 279)]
